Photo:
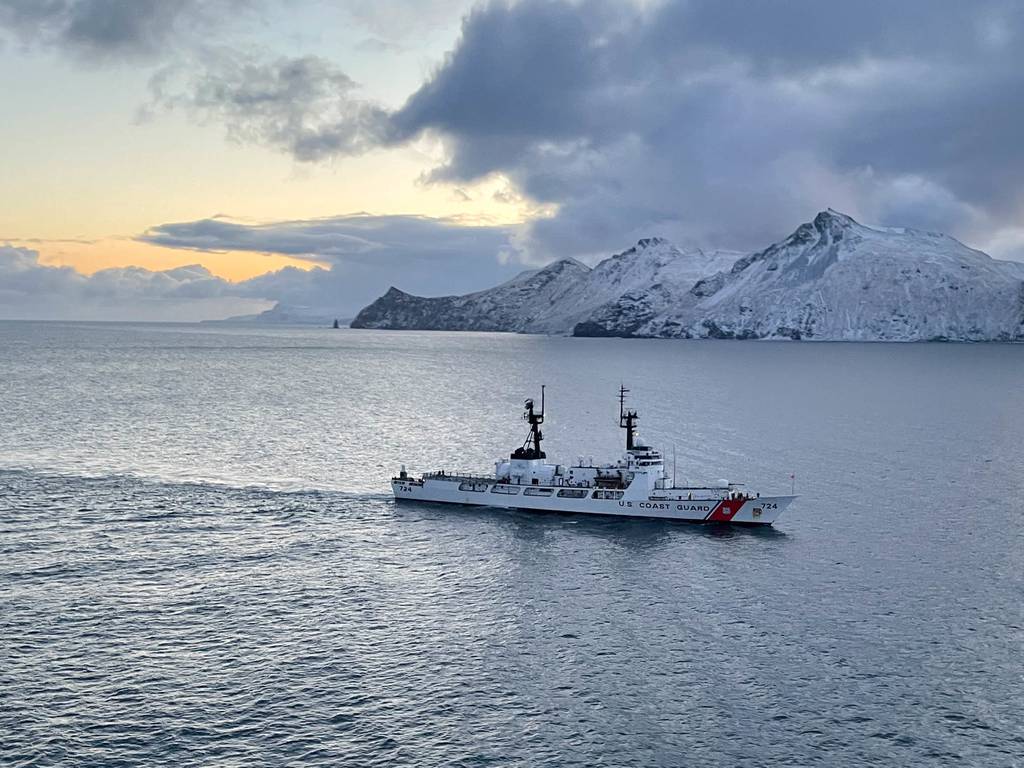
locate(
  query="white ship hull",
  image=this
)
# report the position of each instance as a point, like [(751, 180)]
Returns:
[(698, 505), (636, 485)]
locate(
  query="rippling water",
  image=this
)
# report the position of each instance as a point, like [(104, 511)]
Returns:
[(200, 562)]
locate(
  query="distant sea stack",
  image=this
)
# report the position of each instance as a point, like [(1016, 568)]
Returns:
[(831, 280)]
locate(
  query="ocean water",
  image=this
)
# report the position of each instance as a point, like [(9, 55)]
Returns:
[(200, 562)]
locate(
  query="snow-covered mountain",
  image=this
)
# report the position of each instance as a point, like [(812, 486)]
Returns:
[(653, 265), (832, 279), (836, 279), (550, 300)]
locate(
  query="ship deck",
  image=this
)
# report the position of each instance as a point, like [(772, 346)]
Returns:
[(674, 493)]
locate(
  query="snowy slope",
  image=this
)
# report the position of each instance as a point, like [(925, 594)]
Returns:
[(644, 283), (652, 262), (551, 300), (839, 280)]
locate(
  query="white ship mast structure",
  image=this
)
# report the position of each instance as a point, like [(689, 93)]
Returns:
[(636, 485)]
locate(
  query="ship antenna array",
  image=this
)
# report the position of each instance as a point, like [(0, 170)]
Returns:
[(627, 418)]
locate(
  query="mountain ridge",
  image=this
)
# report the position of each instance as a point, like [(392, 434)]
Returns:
[(831, 279)]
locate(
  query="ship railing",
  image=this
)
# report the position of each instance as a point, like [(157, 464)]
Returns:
[(459, 476), (732, 491)]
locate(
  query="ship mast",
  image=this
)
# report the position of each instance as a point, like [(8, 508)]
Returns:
[(627, 419), (531, 448)]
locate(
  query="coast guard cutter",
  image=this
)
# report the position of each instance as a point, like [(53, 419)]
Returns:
[(634, 486)]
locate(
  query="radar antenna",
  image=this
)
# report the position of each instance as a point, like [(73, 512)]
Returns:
[(627, 419)]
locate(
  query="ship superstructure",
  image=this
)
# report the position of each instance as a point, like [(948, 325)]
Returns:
[(636, 485)]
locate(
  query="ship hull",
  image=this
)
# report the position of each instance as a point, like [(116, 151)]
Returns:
[(741, 511)]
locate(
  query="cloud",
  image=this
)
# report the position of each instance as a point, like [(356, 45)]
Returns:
[(112, 29), (431, 256), (303, 106), (31, 290), (713, 122), (364, 255), (376, 45), (352, 238), (400, 19)]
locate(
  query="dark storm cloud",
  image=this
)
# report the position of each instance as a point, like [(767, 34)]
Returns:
[(106, 29), (731, 121), (809, 34)]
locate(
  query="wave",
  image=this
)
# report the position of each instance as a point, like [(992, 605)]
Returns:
[(192, 480)]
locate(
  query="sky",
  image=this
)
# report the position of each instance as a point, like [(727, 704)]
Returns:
[(197, 159)]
